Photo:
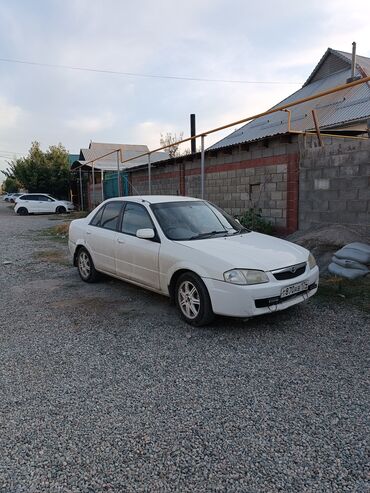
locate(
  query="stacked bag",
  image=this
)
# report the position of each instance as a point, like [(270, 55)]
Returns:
[(352, 261)]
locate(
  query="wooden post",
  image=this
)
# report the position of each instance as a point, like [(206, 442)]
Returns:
[(317, 127)]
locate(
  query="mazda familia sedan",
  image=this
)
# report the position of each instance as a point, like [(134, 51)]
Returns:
[(193, 252)]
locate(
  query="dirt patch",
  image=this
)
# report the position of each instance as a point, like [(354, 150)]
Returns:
[(355, 293)]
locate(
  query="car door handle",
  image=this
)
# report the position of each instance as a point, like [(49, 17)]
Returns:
[(120, 241), (88, 232)]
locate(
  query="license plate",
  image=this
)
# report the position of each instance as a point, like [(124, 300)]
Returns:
[(294, 289)]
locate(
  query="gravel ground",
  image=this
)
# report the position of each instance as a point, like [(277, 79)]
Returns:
[(104, 389)]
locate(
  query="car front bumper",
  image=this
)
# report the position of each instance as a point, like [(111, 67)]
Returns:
[(248, 301)]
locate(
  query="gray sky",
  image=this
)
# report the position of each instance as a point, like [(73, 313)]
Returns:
[(279, 41)]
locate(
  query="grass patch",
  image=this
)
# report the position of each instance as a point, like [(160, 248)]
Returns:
[(57, 233), (355, 293), (51, 256), (69, 217)]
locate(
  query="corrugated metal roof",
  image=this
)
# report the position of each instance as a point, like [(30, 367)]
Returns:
[(334, 110), (109, 163)]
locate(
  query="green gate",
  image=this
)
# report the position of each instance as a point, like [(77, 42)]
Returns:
[(111, 182)]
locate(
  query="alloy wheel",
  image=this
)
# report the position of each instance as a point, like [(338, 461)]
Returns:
[(84, 265), (189, 299)]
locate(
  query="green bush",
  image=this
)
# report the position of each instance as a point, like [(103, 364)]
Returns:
[(252, 219)]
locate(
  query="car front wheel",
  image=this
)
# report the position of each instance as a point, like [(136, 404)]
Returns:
[(61, 210), (22, 211), (193, 301), (86, 267)]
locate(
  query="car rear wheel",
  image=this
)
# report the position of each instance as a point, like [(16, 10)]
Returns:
[(22, 211), (192, 300), (61, 210), (86, 267)]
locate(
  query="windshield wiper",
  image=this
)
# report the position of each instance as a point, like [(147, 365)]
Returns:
[(207, 235), (240, 231)]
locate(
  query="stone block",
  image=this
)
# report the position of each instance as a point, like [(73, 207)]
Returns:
[(276, 213), (349, 170), (250, 171), (276, 195), (270, 186), (281, 168), (280, 222), (330, 172), (364, 218), (328, 195), (277, 177), (350, 194), (260, 170), (365, 169), (356, 205), (337, 205), (281, 204), (363, 194), (281, 186)]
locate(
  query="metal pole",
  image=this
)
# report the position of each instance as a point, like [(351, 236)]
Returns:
[(202, 166), (149, 175), (192, 133), (353, 64), (118, 176), (93, 186), (81, 192), (102, 185)]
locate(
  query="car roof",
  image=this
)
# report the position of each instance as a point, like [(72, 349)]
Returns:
[(156, 199)]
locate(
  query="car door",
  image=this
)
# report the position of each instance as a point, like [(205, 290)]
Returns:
[(42, 203), (136, 258), (101, 236)]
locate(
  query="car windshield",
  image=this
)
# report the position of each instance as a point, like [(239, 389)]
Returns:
[(195, 220)]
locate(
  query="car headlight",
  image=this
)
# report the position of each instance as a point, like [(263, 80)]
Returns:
[(245, 276), (311, 261)]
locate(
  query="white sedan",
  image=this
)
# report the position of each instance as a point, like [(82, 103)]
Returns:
[(38, 203), (193, 252)]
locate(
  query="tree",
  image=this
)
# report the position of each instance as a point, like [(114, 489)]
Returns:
[(169, 139), (46, 172), (10, 185)]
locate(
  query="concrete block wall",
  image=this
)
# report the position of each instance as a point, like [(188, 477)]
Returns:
[(334, 183), (261, 177)]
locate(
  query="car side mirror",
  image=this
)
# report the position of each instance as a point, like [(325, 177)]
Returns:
[(145, 233)]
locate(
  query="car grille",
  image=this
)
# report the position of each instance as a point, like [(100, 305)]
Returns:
[(265, 302), (289, 272)]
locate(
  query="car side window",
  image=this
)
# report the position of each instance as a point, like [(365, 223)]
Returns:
[(95, 221), (135, 217), (110, 215)]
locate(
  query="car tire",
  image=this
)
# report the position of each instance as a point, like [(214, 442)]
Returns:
[(192, 300), (60, 210), (22, 211), (85, 266)]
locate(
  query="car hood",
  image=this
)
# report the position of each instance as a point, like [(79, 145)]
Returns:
[(251, 251)]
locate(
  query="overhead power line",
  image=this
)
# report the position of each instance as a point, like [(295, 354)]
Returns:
[(149, 76)]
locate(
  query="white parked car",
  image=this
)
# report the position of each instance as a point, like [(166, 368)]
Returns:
[(193, 252), (12, 197), (37, 203)]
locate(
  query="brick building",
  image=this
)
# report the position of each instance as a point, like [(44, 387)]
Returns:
[(275, 162)]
